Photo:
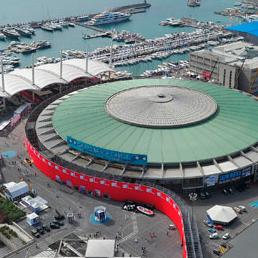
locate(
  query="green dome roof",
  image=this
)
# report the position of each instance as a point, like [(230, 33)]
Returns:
[(232, 128)]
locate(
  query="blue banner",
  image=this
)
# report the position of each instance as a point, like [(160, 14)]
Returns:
[(121, 157), (234, 175)]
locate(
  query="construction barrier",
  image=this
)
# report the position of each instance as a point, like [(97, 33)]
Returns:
[(115, 190)]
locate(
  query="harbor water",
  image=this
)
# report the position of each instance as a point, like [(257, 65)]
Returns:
[(147, 24)]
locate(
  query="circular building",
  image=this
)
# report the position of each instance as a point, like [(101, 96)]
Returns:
[(188, 133)]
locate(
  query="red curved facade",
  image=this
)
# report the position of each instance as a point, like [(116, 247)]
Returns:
[(118, 191)]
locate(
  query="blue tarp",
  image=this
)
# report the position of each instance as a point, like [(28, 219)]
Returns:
[(248, 27)]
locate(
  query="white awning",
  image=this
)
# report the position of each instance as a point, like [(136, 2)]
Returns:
[(48, 74), (221, 214)]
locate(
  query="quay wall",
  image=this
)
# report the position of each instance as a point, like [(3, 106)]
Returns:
[(37, 24)]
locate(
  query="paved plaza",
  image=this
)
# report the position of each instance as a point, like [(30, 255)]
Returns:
[(132, 230)]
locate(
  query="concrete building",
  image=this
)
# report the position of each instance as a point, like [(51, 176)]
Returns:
[(233, 65), (14, 191)]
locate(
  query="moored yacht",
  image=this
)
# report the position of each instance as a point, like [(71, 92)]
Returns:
[(46, 27), (2, 36), (23, 32), (11, 33), (108, 17), (194, 3)]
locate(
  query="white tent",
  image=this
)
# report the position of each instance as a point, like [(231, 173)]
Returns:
[(221, 214), (100, 248)]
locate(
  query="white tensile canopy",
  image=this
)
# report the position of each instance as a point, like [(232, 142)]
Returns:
[(221, 214)]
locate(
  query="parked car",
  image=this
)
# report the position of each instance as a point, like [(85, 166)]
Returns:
[(207, 223), (58, 222), (40, 230), (242, 208), (54, 225), (28, 161), (214, 236), (59, 217), (217, 252), (35, 233), (129, 206), (237, 210), (172, 227), (46, 228), (219, 227), (226, 236), (212, 230)]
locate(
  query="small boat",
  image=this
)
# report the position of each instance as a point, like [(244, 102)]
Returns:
[(145, 211), (11, 33), (56, 26), (23, 32), (194, 3), (46, 27), (64, 24), (2, 36)]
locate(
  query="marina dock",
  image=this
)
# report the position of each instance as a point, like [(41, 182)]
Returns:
[(79, 18), (189, 22), (161, 48)]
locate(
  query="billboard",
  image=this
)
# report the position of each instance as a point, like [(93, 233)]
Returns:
[(211, 180), (234, 175), (121, 157)]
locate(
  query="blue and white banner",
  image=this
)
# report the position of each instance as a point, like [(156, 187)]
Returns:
[(115, 156)]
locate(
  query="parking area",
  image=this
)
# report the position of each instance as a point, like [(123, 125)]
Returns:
[(245, 198), (133, 231)]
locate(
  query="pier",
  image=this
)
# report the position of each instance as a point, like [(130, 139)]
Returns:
[(77, 19), (127, 8), (189, 22), (84, 25)]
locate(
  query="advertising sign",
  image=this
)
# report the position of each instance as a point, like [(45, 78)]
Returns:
[(211, 180), (121, 157), (234, 175)]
